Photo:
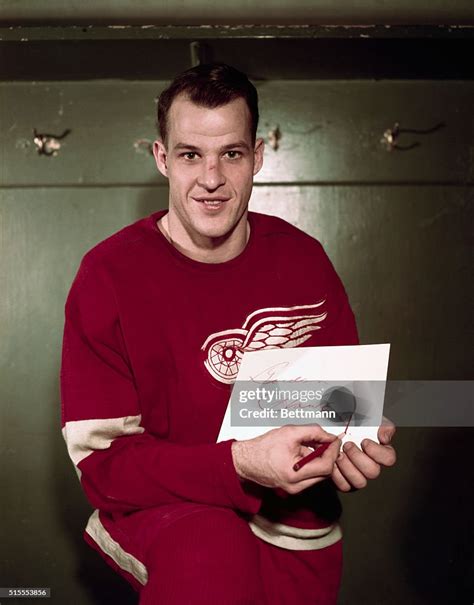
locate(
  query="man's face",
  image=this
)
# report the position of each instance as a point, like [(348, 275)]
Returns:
[(210, 162)]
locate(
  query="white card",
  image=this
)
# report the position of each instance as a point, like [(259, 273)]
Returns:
[(346, 366)]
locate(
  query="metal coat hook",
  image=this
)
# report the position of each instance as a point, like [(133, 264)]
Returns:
[(144, 146), (274, 136), (200, 53), (48, 144), (391, 136)]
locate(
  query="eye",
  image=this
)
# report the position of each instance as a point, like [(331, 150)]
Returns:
[(232, 154), (189, 155)]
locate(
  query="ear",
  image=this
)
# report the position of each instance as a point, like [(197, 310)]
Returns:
[(160, 155), (258, 155)]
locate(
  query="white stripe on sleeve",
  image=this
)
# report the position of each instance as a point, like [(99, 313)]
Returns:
[(85, 436)]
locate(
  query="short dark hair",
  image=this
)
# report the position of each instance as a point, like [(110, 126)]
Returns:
[(209, 85)]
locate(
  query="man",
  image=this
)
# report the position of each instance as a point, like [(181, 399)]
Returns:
[(157, 320)]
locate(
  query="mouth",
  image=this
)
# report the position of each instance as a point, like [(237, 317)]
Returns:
[(211, 203)]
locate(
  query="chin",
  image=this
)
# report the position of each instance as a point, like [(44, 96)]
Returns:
[(214, 229), (214, 233)]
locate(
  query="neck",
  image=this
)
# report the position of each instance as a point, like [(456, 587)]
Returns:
[(205, 249)]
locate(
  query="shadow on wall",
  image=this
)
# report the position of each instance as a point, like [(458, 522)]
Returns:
[(436, 550)]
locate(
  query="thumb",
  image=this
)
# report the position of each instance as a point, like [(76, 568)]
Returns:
[(386, 431)]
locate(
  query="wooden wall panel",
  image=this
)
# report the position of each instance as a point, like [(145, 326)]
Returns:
[(331, 132)]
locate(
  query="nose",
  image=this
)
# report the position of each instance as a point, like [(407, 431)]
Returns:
[(211, 176)]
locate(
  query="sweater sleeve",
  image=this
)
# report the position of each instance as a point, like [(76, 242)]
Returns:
[(121, 466)]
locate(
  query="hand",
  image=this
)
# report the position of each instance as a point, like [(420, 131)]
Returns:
[(268, 460), (354, 466)]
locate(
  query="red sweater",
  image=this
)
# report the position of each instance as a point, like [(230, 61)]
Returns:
[(145, 377)]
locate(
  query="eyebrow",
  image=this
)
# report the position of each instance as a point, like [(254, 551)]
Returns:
[(238, 144)]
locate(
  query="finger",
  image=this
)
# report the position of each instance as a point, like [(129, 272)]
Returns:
[(381, 454), (333, 451), (386, 431), (303, 451), (314, 444), (339, 480), (311, 433), (350, 472), (320, 466), (368, 467)]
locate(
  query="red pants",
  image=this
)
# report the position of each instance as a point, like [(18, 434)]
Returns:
[(201, 555)]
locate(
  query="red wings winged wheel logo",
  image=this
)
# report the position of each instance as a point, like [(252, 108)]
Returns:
[(270, 328)]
